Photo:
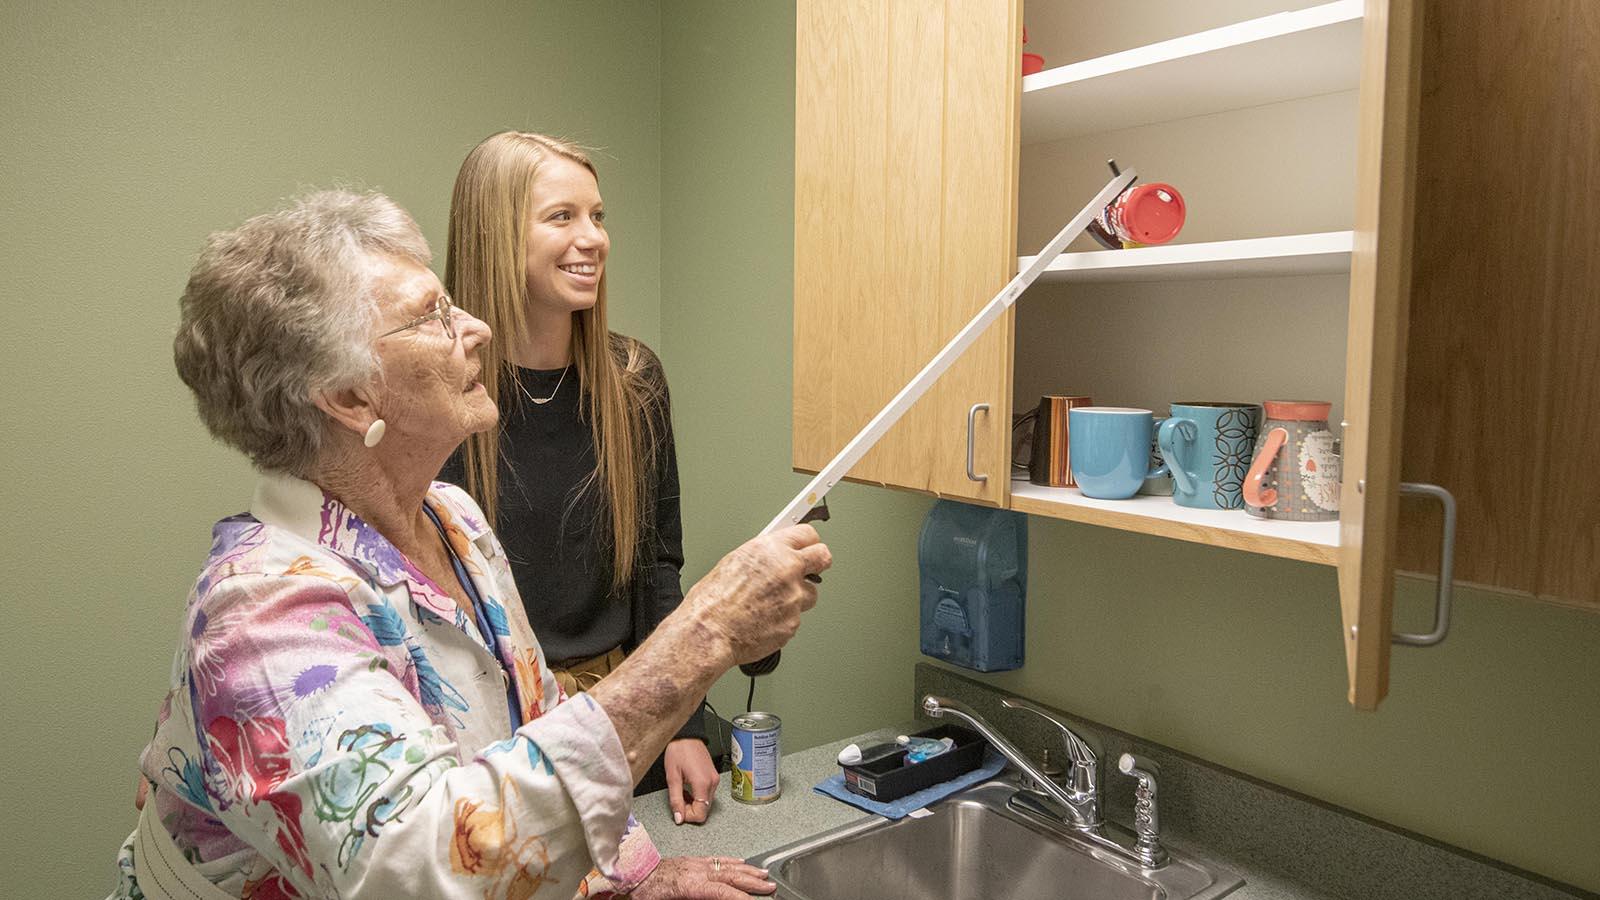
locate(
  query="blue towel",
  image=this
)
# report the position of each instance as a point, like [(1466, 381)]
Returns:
[(834, 787)]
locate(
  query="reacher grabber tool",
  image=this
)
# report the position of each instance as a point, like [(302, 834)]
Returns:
[(880, 424)]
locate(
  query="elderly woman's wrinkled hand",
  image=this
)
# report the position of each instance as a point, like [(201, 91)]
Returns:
[(703, 878), (754, 597)]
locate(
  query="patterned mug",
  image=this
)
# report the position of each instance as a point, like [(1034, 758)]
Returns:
[(1297, 467), (1207, 446)]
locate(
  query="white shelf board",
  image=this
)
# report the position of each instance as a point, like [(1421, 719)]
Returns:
[(1309, 541), (1285, 56), (1324, 253)]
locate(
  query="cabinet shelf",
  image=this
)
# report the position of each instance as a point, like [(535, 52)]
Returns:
[(1286, 56), (1324, 253), (1315, 542)]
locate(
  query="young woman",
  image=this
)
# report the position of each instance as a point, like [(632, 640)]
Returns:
[(580, 479)]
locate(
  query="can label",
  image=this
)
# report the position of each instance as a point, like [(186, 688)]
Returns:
[(754, 778)]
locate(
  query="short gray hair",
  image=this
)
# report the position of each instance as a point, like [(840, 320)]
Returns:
[(280, 309)]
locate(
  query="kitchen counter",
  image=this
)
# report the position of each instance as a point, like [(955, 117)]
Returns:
[(743, 830), (1285, 845)]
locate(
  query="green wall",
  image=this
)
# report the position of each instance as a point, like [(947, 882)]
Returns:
[(727, 286), (1488, 741), (127, 138)]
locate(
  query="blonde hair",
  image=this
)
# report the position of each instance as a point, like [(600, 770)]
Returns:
[(485, 272)]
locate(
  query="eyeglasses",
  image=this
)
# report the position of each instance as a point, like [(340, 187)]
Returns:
[(443, 310)]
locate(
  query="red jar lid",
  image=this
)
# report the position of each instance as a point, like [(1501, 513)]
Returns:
[(1298, 410), (1152, 213)]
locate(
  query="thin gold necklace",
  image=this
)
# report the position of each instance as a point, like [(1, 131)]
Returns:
[(535, 400)]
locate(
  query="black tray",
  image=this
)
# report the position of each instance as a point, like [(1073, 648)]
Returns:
[(891, 777)]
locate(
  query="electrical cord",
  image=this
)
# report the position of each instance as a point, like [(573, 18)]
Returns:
[(724, 741)]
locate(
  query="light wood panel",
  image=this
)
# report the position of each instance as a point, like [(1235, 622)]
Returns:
[(1570, 552), (1375, 362), (1505, 329), (905, 186), (981, 116), (841, 203), (1476, 423)]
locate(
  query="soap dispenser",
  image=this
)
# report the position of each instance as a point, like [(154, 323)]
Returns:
[(974, 568)]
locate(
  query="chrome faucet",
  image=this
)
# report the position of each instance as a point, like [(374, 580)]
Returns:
[(1081, 801), (1146, 818), (1077, 803), (1083, 781)]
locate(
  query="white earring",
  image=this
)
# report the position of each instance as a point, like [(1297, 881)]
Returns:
[(374, 433)]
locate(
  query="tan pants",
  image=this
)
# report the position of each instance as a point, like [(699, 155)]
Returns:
[(586, 673)]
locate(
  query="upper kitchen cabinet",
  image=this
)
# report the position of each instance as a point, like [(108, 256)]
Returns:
[(905, 208), (1368, 182)]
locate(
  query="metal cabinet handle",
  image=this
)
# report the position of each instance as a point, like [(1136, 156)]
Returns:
[(972, 415), (1447, 561)]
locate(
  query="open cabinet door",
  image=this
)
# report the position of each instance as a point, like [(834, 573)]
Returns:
[(1380, 279)]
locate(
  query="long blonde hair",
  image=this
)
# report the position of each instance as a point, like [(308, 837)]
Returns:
[(485, 272)]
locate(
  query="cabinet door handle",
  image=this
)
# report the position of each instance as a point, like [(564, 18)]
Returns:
[(1447, 561), (972, 415)]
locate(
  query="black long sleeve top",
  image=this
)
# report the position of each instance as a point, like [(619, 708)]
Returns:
[(553, 523)]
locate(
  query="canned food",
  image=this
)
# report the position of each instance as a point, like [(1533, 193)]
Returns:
[(754, 778)]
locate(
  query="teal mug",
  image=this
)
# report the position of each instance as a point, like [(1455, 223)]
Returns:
[(1109, 448), (1157, 485), (1208, 448)]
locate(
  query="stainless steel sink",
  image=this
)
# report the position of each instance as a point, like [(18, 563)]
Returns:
[(977, 846)]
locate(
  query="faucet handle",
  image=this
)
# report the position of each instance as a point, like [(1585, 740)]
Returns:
[(1146, 815), (1078, 750)]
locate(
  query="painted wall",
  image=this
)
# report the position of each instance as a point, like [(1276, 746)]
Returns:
[(727, 288), (126, 139), (1487, 741)]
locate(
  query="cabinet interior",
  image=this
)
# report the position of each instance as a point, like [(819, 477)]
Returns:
[(1284, 168)]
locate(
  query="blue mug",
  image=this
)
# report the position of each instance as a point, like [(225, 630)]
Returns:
[(1109, 447), (1207, 446)]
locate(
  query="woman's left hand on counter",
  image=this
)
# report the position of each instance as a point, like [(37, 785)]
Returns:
[(703, 878), (692, 780)]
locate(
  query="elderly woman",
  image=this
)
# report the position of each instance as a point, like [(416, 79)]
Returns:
[(358, 705)]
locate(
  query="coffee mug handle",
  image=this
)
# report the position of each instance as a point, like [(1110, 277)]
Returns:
[(1016, 423), (1254, 494), (1166, 442)]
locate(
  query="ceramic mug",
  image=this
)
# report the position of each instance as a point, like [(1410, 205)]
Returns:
[(1208, 447), (1110, 447), (1049, 461), (1297, 466), (1156, 485)]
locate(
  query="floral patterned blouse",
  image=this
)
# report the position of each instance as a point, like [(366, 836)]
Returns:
[(338, 726)]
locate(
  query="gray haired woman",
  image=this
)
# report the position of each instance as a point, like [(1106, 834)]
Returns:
[(358, 705)]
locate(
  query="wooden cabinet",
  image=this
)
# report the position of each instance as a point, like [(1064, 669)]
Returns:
[(905, 186), (924, 161)]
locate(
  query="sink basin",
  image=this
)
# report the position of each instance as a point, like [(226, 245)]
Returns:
[(976, 846)]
